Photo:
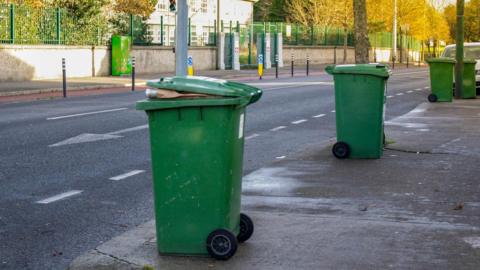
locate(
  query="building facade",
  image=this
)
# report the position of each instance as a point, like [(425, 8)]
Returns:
[(203, 15)]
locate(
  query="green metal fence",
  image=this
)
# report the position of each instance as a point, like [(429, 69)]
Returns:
[(26, 25)]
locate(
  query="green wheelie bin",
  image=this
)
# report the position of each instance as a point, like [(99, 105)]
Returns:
[(360, 109), (469, 79), (197, 138), (121, 60), (441, 79)]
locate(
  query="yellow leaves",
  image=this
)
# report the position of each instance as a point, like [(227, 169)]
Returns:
[(32, 3), (138, 7)]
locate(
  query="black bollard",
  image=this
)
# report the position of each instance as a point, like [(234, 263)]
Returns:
[(64, 75)]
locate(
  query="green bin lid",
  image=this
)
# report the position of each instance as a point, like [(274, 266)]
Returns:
[(223, 93), (209, 86), (378, 70), (442, 60), (469, 61)]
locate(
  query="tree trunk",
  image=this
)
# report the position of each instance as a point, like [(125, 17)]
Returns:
[(361, 34), (345, 45)]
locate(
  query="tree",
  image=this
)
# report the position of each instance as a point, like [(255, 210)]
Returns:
[(142, 8), (362, 44)]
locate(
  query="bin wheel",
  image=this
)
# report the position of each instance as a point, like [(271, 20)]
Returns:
[(341, 150), (384, 140), (432, 98), (246, 228), (221, 244)]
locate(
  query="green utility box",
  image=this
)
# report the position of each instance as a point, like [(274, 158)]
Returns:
[(121, 60), (441, 79), (360, 109), (197, 160), (469, 79)]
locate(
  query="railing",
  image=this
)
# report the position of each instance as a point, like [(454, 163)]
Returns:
[(25, 25)]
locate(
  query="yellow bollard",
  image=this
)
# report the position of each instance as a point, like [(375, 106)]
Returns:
[(260, 66), (190, 66)]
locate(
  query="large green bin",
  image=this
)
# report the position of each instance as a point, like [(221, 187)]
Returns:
[(360, 109), (197, 156), (469, 79), (441, 79), (121, 60)]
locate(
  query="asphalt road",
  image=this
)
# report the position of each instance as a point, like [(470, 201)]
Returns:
[(75, 173)]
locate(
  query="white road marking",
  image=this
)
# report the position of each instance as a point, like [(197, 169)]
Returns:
[(60, 196), (299, 121), (251, 136), (90, 137), (426, 87), (281, 157), (400, 94), (409, 73), (333, 111), (318, 116), (418, 89), (87, 113), (128, 130), (290, 83), (410, 91), (389, 96), (278, 128), (126, 175)]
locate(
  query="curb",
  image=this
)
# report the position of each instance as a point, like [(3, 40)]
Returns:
[(74, 88)]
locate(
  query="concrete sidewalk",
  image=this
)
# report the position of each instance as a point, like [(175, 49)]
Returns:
[(416, 208)]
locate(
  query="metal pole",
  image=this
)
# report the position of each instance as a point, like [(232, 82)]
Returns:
[(57, 15), (394, 52), (189, 31), (308, 65), (64, 75), (12, 24), (292, 69), (459, 52), (408, 50), (131, 26), (276, 66), (133, 73), (181, 38), (161, 30)]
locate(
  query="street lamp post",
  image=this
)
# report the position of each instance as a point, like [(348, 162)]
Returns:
[(394, 52), (181, 38), (459, 50)]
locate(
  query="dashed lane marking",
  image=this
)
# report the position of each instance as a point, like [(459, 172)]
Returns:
[(400, 94), (278, 128), (126, 175), (318, 116), (410, 91), (251, 136), (389, 96), (87, 113), (60, 196), (299, 121)]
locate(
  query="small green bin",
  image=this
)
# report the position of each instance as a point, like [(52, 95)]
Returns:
[(197, 163), (360, 109), (469, 79), (121, 60), (441, 79)]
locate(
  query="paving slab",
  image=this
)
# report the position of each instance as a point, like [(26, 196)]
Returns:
[(415, 208)]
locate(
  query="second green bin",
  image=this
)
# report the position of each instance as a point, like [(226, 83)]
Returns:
[(441, 79), (360, 109), (197, 156)]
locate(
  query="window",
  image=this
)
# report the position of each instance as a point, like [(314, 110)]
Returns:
[(162, 6), (204, 6)]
